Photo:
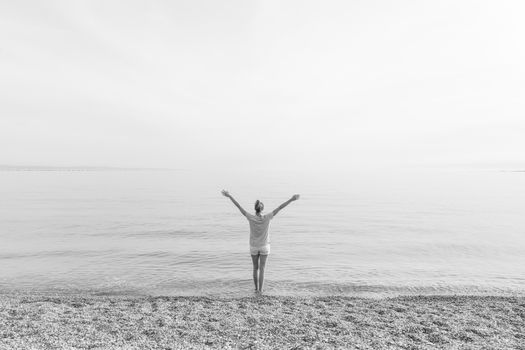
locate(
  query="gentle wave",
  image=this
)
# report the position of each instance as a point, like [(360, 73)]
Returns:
[(244, 287), (94, 253), (156, 234)]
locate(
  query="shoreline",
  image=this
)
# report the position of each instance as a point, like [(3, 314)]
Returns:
[(80, 321)]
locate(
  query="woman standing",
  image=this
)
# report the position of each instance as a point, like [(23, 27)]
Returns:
[(259, 238)]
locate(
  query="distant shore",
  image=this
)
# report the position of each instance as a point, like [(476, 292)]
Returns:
[(267, 322)]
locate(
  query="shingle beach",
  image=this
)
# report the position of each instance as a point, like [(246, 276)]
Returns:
[(32, 321)]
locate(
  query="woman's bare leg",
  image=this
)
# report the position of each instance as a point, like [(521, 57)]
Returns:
[(261, 272), (255, 260)]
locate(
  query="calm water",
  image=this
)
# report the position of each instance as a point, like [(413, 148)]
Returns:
[(172, 233)]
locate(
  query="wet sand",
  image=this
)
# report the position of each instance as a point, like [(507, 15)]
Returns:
[(126, 322)]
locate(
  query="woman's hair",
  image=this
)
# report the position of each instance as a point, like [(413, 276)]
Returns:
[(259, 206)]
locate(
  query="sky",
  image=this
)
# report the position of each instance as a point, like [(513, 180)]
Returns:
[(204, 84)]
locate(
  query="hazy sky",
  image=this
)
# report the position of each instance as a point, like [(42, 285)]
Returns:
[(276, 84)]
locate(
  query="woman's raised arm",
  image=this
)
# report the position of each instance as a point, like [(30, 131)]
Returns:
[(294, 198), (227, 194)]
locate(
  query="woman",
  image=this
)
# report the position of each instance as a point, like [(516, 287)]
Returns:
[(259, 238)]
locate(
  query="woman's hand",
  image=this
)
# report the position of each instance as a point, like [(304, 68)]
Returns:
[(226, 193), (295, 197)]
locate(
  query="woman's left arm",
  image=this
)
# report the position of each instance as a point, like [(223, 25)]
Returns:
[(227, 194)]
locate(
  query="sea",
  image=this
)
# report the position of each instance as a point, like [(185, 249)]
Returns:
[(170, 232)]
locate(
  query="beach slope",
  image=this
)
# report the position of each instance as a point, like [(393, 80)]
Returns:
[(116, 322)]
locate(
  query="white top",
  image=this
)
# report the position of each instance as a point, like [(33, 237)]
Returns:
[(259, 236)]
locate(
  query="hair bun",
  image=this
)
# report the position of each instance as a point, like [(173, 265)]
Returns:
[(258, 205)]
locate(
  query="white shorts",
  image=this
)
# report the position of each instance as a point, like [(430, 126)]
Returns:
[(264, 250)]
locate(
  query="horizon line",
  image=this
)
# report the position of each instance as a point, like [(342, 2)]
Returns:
[(4, 167)]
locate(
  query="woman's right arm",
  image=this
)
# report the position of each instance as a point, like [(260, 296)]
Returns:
[(294, 198), (227, 194)]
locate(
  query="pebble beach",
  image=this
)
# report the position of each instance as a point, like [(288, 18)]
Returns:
[(52, 321)]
